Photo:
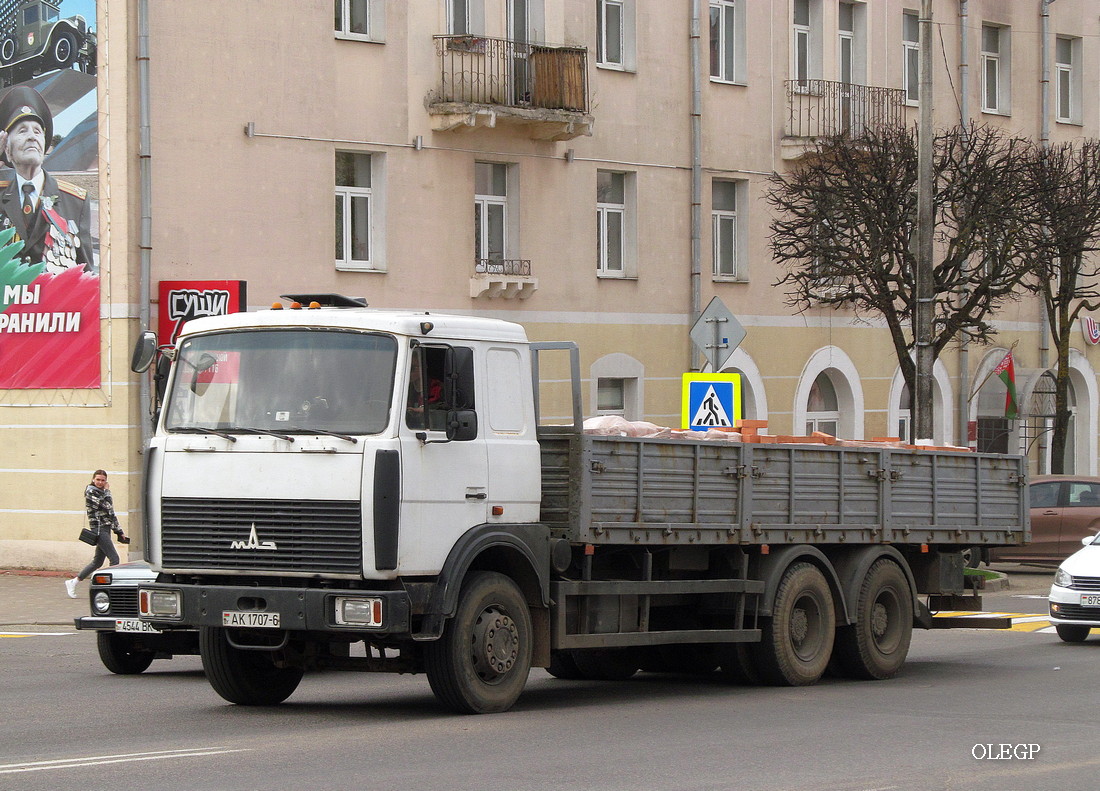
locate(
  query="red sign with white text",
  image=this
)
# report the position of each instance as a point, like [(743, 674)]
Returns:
[(183, 300)]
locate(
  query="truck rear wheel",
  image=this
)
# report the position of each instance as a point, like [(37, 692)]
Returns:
[(796, 642), (248, 678), (119, 655), (563, 666), (876, 645), (481, 663)]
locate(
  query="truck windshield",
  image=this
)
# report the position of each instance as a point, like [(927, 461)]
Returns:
[(284, 382)]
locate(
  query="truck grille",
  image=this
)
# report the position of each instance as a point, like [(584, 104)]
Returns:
[(303, 537), (124, 601)]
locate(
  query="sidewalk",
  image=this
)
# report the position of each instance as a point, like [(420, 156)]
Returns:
[(37, 599)]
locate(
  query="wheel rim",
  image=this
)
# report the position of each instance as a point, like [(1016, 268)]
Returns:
[(495, 644), (805, 629), (61, 52), (7, 49), (885, 623)]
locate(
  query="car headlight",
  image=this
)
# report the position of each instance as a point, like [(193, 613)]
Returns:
[(1063, 579), (101, 602)]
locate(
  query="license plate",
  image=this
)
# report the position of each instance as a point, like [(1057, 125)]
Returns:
[(251, 620), (134, 625), (1090, 599)]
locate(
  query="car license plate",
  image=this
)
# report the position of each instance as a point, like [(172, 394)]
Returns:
[(251, 620), (1090, 599), (134, 625)]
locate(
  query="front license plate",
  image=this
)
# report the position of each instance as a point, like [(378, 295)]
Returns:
[(1090, 599), (134, 625), (251, 620)]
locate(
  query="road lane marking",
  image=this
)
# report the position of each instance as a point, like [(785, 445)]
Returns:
[(101, 760)]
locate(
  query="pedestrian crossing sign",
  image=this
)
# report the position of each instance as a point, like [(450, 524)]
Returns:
[(710, 401)]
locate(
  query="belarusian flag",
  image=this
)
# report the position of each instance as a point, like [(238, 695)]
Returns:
[(1007, 374)]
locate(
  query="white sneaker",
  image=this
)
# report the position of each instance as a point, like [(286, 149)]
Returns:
[(70, 587)]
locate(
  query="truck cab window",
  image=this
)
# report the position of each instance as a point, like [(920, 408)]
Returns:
[(441, 378)]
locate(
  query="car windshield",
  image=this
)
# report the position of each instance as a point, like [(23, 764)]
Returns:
[(283, 382)]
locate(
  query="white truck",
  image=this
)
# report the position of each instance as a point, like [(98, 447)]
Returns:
[(359, 489)]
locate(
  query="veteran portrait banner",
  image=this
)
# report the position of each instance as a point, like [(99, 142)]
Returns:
[(49, 196)]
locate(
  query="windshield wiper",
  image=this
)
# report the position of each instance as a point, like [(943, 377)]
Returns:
[(203, 430), (264, 432), (344, 437)]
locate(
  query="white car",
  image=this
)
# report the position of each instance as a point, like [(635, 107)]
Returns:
[(1075, 594)]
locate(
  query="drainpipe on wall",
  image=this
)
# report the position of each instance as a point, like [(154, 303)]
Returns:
[(1044, 141), (963, 408), (696, 181), (145, 241)]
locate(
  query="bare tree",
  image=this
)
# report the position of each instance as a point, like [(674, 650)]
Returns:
[(1063, 184), (844, 220)]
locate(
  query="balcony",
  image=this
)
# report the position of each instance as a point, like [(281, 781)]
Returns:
[(502, 277), (823, 108), (483, 82)]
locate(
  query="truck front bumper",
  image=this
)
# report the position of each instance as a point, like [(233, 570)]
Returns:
[(288, 609)]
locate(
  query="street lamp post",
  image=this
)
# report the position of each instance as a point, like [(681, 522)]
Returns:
[(924, 292)]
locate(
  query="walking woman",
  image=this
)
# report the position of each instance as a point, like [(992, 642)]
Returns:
[(102, 520)]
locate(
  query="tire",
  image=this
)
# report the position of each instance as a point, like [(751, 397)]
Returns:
[(606, 664), (876, 645), (972, 557), (119, 655), (737, 665), (796, 642), (1072, 634), (248, 678), (481, 663), (63, 49), (7, 50), (563, 666)]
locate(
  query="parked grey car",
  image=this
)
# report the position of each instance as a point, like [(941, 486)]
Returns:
[(126, 644)]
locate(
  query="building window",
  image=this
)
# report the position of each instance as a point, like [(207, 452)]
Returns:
[(822, 407), (610, 395), (726, 230), (490, 211), (359, 19), (458, 17), (806, 43), (910, 47), (617, 384), (610, 222), (356, 245), (995, 60), (727, 40), (1067, 57), (609, 32)]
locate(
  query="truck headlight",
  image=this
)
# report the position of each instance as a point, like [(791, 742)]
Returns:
[(1062, 579), (101, 602), (159, 604), (358, 612)]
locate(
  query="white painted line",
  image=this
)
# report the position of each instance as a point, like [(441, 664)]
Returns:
[(100, 760)]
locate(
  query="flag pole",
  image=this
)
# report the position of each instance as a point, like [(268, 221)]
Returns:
[(981, 384)]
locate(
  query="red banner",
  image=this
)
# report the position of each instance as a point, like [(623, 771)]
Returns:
[(183, 300)]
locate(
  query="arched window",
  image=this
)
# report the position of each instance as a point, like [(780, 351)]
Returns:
[(822, 406)]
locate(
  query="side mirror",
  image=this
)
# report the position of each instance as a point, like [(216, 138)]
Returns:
[(144, 351), (461, 425)]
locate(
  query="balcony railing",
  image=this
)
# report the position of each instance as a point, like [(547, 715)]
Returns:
[(822, 108), (509, 278), (496, 71)]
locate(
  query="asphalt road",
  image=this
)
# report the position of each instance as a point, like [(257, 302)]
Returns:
[(964, 693)]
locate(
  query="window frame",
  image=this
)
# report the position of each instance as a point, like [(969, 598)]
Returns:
[(627, 39), (736, 221), (998, 61), (483, 204), (605, 210), (1067, 109), (374, 195), (375, 12), (910, 64), (727, 10), (806, 61)]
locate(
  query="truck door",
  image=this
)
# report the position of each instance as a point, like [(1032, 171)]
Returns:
[(444, 483)]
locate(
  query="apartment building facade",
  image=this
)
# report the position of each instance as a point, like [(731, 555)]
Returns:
[(592, 169)]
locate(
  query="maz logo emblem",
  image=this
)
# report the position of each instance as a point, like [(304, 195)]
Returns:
[(253, 542)]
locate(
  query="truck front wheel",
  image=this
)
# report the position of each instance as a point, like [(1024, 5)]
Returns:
[(119, 655), (796, 642), (876, 645), (481, 663), (249, 678)]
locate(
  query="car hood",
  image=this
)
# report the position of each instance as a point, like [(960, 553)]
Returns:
[(1085, 562)]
